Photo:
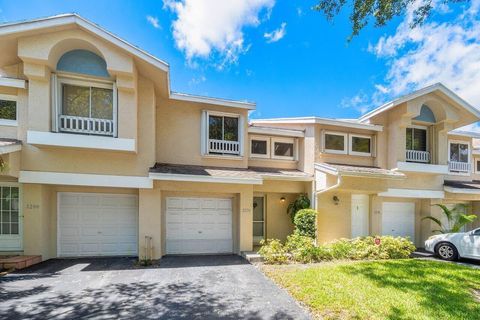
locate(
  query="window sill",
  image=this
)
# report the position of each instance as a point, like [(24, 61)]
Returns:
[(219, 156), (9, 123), (68, 140), (273, 159)]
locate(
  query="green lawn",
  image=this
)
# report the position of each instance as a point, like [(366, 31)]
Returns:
[(395, 289)]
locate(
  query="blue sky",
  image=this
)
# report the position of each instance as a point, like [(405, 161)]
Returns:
[(284, 56)]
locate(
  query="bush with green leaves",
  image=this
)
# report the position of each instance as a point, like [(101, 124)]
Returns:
[(273, 251), (302, 249), (301, 202), (304, 221)]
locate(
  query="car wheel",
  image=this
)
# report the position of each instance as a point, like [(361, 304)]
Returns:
[(447, 251)]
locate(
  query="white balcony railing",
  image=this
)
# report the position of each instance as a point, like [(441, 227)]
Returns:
[(456, 166), (104, 127), (418, 156), (224, 147)]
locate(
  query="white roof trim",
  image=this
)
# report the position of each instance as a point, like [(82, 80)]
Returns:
[(276, 132), (461, 190), (286, 178), (469, 134), (334, 171), (198, 178), (80, 179), (209, 100), (413, 193), (316, 120), (10, 148), (13, 83), (437, 86), (72, 18)]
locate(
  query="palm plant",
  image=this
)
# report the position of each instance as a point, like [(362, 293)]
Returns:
[(455, 219), (301, 202)]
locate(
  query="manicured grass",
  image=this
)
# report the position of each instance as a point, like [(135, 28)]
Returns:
[(395, 289)]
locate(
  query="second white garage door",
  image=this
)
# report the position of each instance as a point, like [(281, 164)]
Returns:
[(198, 225), (398, 219), (95, 224)]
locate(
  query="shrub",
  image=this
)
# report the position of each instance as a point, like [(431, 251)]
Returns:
[(341, 249), (305, 222), (301, 202), (301, 248), (273, 251)]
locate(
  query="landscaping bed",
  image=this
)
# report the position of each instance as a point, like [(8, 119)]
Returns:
[(390, 289)]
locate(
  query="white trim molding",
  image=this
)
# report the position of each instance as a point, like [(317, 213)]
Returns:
[(42, 138), (422, 167), (82, 179), (335, 133), (461, 190), (358, 153), (10, 148), (198, 178), (214, 101), (13, 83), (277, 132), (413, 193), (353, 123)]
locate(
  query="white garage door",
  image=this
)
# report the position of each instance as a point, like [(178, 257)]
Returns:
[(398, 219), (93, 224), (199, 225)]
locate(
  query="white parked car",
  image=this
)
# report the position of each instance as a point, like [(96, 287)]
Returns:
[(451, 246)]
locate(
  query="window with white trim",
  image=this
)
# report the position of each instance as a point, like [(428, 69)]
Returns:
[(360, 145), (259, 147), (335, 142), (8, 110), (223, 134), (9, 210), (477, 166), (283, 148), (459, 156), (86, 106)]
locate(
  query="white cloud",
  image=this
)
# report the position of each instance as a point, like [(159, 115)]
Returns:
[(197, 80), (154, 22), (214, 28), (358, 102), (276, 34), (300, 12)]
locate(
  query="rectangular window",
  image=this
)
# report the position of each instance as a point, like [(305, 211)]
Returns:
[(87, 102), (9, 210), (260, 147), (416, 139), (335, 142), (459, 152), (283, 148), (223, 134), (8, 110), (477, 167), (360, 145)]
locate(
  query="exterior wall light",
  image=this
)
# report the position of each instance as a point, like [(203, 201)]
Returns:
[(282, 199), (336, 200)]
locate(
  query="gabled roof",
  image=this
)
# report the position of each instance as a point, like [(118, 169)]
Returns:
[(69, 19), (429, 89)]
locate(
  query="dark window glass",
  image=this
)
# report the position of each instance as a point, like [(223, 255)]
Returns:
[(334, 142), (416, 139), (215, 128), (9, 216), (459, 152), (259, 147), (8, 110), (230, 131), (283, 149), (87, 102), (102, 103), (360, 144), (478, 166)]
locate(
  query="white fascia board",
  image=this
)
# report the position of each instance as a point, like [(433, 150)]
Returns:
[(10, 149), (371, 175), (317, 120), (468, 134), (286, 178), (422, 167), (215, 101), (326, 169), (42, 138), (198, 178), (413, 193), (71, 18), (276, 132), (13, 83), (461, 190), (81, 179)]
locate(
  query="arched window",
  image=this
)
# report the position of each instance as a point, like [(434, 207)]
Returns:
[(83, 62), (426, 115)]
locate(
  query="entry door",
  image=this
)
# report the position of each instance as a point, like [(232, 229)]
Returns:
[(398, 219), (11, 231), (199, 225), (258, 219), (360, 210)]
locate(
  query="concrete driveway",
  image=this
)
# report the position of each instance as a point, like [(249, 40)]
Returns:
[(199, 287)]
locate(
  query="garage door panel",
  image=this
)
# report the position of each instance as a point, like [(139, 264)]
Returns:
[(398, 219), (97, 224), (202, 225)]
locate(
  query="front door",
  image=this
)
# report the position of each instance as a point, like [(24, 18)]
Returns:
[(11, 231), (360, 209), (258, 219)]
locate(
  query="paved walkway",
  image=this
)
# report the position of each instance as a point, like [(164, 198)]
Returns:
[(200, 287)]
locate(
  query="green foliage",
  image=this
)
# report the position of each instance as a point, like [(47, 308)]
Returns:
[(302, 202), (381, 11), (304, 221), (273, 251), (456, 220), (302, 249)]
